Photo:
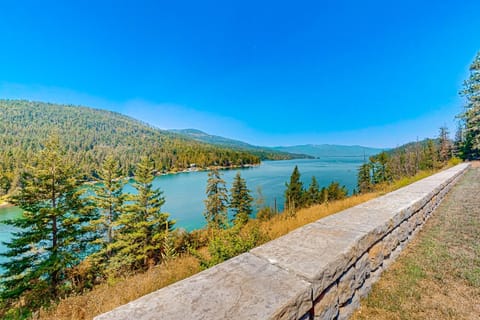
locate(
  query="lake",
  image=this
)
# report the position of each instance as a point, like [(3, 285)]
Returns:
[(185, 192)]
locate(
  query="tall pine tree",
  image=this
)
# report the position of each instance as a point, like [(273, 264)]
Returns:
[(143, 227), (445, 145), (313, 193), (364, 180), (53, 231), (109, 200), (294, 198), (240, 200), (216, 204), (470, 146)]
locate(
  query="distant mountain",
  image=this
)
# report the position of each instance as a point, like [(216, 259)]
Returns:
[(331, 150), (264, 153)]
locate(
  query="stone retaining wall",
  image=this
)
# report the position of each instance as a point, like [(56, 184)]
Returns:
[(318, 271)]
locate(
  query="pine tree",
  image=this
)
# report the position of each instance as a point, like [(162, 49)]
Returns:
[(445, 145), (240, 200), (109, 199), (471, 115), (53, 231), (335, 192), (458, 143), (382, 172), (430, 156), (364, 181), (313, 193), (294, 198), (216, 204), (143, 227)]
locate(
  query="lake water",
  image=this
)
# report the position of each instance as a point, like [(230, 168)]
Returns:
[(185, 192)]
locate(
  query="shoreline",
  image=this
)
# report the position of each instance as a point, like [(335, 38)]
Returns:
[(189, 170)]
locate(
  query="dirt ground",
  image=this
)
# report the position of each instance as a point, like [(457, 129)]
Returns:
[(438, 275)]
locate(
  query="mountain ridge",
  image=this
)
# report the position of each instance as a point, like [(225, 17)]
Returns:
[(331, 150), (265, 153)]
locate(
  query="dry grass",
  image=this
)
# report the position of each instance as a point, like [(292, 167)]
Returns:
[(108, 296), (281, 225), (438, 275)]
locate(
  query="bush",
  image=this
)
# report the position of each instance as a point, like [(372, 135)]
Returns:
[(265, 214), (229, 243), (454, 161)]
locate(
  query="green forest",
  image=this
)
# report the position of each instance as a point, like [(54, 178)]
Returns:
[(90, 135)]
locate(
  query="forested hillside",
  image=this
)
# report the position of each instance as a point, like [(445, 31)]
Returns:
[(90, 135), (264, 153)]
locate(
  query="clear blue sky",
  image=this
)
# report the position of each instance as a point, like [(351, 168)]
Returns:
[(376, 73)]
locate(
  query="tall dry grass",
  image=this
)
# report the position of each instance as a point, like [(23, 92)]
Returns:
[(108, 296), (280, 225)]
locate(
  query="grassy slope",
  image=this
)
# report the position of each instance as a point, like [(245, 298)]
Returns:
[(438, 275), (108, 296)]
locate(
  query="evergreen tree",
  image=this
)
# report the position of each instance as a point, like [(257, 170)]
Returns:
[(378, 165), (240, 200), (216, 204), (430, 156), (109, 199), (458, 143), (364, 181), (471, 114), (335, 192), (382, 171), (445, 145), (313, 193), (52, 234), (294, 198), (143, 227)]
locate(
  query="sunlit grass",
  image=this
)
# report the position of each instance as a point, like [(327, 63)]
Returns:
[(116, 292), (280, 225)]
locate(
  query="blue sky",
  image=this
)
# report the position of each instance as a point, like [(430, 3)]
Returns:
[(376, 73)]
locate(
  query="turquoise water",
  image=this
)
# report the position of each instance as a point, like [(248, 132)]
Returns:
[(185, 192), (5, 230)]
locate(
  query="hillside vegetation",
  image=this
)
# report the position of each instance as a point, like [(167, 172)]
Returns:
[(89, 135)]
